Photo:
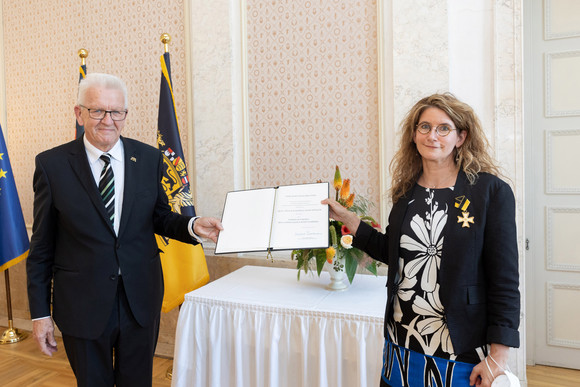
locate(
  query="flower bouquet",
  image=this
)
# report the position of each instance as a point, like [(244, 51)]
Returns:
[(340, 254)]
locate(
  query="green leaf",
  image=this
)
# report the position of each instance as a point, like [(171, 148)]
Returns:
[(350, 264), (300, 259), (372, 267), (357, 253), (320, 259)]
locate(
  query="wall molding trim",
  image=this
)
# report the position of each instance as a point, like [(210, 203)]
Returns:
[(552, 287), (552, 111), (551, 184), (548, 33), (550, 238)]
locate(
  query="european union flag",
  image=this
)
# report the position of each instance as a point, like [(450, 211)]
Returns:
[(14, 241)]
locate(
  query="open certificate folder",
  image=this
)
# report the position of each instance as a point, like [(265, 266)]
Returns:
[(281, 218)]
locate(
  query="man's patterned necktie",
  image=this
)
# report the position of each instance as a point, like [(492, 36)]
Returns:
[(107, 186)]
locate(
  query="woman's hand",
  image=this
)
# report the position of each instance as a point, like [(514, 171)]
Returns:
[(340, 213), (480, 376)]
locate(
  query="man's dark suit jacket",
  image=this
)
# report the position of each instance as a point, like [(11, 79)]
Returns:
[(74, 244), (479, 264)]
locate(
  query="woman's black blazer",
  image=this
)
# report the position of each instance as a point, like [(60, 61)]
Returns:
[(478, 275)]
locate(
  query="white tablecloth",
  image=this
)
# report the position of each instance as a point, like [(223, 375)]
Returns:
[(259, 326)]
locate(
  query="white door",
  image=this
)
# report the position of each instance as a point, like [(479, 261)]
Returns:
[(552, 130)]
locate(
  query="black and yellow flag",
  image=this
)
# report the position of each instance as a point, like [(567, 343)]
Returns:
[(82, 74), (184, 265)]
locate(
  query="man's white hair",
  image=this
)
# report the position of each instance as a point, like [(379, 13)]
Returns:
[(106, 81)]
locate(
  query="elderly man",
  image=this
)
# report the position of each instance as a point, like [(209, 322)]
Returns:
[(98, 203)]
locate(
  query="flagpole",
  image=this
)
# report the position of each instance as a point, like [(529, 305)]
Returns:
[(166, 39), (10, 335), (83, 54)]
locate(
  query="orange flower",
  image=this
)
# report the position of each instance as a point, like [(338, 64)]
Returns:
[(350, 201), (345, 190), (330, 253)]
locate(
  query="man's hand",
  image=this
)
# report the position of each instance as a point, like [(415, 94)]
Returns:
[(43, 332), (207, 227)]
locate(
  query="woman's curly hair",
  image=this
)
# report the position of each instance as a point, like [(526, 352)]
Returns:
[(472, 157)]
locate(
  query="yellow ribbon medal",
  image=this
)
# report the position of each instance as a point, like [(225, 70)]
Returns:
[(462, 202)]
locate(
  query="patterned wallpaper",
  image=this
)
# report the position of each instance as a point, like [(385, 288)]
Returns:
[(313, 92), (41, 41)]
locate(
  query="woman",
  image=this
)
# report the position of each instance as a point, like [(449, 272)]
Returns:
[(451, 247)]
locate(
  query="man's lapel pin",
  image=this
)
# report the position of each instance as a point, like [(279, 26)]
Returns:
[(134, 159)]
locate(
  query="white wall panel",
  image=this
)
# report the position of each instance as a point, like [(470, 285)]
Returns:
[(563, 84), (563, 315), (563, 244), (562, 160), (562, 19)]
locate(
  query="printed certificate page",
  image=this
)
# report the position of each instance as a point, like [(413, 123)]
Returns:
[(246, 219), (300, 221)]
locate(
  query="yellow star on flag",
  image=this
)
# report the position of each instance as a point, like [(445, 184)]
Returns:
[(3, 173), (465, 219)]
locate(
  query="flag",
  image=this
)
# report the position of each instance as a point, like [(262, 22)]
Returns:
[(82, 74), (184, 265), (14, 241)]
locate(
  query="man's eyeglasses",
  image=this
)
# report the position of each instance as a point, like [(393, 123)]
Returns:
[(442, 130), (99, 114)]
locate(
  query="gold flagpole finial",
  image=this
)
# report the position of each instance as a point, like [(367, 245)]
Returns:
[(83, 55), (165, 39)]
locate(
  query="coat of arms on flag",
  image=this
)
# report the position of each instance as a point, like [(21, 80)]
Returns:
[(184, 265)]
